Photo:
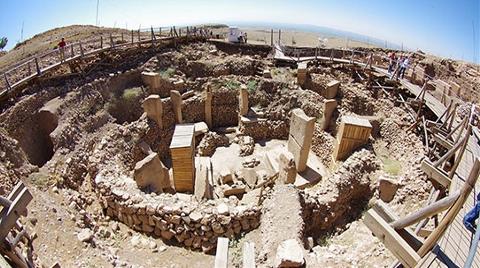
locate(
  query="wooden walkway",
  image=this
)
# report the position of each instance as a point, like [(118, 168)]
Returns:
[(454, 246), (22, 73)]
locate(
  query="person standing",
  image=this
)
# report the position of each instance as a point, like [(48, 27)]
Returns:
[(404, 66), (61, 46), (391, 58)]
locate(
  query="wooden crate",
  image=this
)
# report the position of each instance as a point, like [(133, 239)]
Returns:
[(353, 133), (182, 150)]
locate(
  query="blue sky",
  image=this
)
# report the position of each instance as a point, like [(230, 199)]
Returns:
[(441, 27)]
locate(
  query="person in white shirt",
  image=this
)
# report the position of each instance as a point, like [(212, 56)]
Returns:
[(404, 66)]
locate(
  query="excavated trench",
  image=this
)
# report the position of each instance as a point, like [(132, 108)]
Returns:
[(106, 146)]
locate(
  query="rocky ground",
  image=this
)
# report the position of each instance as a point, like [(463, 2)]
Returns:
[(84, 208)]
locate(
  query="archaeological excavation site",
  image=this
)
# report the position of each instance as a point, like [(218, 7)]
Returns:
[(176, 148)]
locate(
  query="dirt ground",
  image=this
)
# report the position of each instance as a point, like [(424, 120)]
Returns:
[(71, 217)]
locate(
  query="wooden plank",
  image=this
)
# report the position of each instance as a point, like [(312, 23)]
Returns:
[(249, 255), (442, 141), (221, 256), (426, 212), (435, 173), (17, 208), (4, 263), (391, 239)]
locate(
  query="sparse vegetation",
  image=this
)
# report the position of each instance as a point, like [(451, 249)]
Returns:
[(252, 85), (391, 166), (232, 84), (167, 73)]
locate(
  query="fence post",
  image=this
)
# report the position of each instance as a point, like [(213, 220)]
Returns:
[(112, 45), (6, 80), (160, 32), (81, 49), (271, 37), (138, 35), (316, 53), (279, 36), (101, 42), (132, 36), (38, 67)]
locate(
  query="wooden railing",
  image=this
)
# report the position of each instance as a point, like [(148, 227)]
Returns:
[(41, 63)]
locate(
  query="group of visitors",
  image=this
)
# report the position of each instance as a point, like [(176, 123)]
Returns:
[(398, 65)]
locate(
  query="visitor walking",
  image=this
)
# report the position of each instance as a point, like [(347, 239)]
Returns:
[(404, 66), (391, 63), (61, 47)]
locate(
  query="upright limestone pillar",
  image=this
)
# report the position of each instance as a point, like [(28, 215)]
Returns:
[(176, 98), (208, 108), (243, 100), (301, 73), (153, 107), (328, 109), (300, 137)]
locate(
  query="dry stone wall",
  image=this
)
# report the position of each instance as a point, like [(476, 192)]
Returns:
[(174, 218), (341, 197)]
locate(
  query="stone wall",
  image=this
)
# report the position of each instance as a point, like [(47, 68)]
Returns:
[(265, 129), (225, 108), (193, 109), (174, 218), (340, 198)]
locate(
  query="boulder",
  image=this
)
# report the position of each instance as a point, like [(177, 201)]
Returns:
[(150, 172), (289, 254), (387, 188)]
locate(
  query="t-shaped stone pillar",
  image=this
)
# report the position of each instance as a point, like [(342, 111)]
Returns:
[(243, 100), (176, 98), (153, 107), (328, 109), (301, 73), (300, 137), (151, 80), (331, 89)]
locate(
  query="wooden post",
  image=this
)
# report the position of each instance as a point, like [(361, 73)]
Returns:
[(160, 32), (271, 37), (112, 44), (153, 34), (460, 154), (6, 80), (453, 211), (101, 41), (38, 67), (132, 36), (316, 53), (122, 38), (139, 39), (81, 49), (279, 37)]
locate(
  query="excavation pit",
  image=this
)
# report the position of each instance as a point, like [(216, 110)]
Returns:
[(253, 134)]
